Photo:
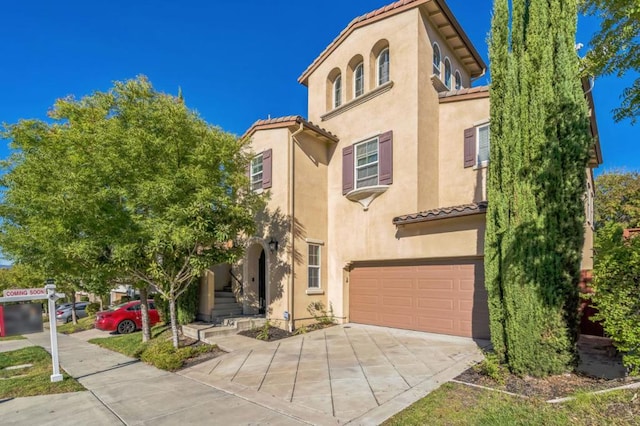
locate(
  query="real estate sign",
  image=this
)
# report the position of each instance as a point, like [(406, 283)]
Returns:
[(20, 319)]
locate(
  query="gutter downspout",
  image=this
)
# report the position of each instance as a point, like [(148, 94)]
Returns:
[(292, 187)]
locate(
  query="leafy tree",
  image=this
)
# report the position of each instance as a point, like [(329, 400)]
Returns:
[(535, 218), (616, 48), (134, 181), (617, 199), (616, 284)]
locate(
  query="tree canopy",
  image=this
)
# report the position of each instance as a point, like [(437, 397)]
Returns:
[(617, 199), (129, 183), (615, 48)]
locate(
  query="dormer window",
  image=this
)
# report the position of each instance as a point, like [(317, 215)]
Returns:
[(358, 81), (458, 81), (383, 67), (436, 60), (447, 73), (337, 91)]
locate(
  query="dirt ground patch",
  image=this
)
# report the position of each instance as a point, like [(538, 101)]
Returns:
[(600, 368), (206, 356), (276, 333)]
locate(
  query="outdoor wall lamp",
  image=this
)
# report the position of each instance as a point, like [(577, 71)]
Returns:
[(273, 245)]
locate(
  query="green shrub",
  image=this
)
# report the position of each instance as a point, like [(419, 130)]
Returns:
[(187, 305), (318, 311), (263, 334), (616, 285), (162, 354), (490, 366), (84, 298), (92, 308)]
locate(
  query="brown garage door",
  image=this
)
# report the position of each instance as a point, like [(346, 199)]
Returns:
[(443, 297)]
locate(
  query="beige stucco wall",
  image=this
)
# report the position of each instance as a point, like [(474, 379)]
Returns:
[(460, 185), (587, 249), (311, 160)]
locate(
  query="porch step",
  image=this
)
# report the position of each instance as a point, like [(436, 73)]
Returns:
[(228, 327), (224, 295), (226, 310)]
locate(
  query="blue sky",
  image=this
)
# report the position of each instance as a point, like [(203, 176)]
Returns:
[(236, 62)]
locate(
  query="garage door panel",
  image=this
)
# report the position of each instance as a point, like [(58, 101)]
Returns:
[(445, 298), (428, 303)]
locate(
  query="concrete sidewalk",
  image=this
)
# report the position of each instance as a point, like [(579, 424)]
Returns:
[(122, 390)]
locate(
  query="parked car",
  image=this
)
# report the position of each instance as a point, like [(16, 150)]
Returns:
[(125, 318), (63, 312)]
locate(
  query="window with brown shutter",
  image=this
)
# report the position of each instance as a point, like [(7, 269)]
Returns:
[(470, 147), (347, 169), (266, 169), (386, 158)]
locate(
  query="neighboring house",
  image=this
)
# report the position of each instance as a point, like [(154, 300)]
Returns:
[(377, 200)]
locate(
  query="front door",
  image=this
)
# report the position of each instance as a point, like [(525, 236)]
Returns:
[(262, 289)]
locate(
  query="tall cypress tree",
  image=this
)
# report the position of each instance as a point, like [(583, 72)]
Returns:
[(539, 152)]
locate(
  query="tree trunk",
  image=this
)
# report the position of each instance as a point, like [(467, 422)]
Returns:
[(144, 311), (73, 308), (174, 321)]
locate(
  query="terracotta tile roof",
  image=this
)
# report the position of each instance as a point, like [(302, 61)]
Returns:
[(442, 213), (286, 121), (390, 9), (479, 90)]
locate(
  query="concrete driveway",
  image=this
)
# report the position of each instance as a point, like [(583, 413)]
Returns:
[(352, 372)]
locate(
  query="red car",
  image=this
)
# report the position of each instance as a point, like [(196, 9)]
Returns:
[(125, 318)]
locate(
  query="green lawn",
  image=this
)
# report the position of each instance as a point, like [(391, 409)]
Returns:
[(158, 352), (34, 380), (83, 324), (457, 404), (2, 339)]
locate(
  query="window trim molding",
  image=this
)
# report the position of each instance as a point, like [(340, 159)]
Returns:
[(336, 100), (481, 164), (360, 67), (378, 82), (355, 161), (457, 79), (433, 57), (251, 174), (318, 266), (447, 84), (357, 101)]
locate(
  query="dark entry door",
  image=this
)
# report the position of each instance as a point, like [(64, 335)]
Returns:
[(262, 289)]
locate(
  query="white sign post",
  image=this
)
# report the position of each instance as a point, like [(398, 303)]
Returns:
[(48, 292)]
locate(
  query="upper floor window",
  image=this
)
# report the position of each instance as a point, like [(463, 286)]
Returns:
[(260, 171), (458, 81), (358, 81), (383, 67), (436, 59), (313, 276), (256, 172), (367, 163), (476, 146), (337, 91), (447, 73)]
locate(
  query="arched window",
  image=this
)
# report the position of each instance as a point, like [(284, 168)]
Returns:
[(447, 73), (458, 85), (337, 91), (358, 81), (436, 59), (383, 67)]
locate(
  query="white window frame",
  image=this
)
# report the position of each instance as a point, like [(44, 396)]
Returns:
[(482, 163), (383, 54), (337, 91), (356, 185), (256, 184), (316, 267), (458, 80), (436, 64), (448, 72), (358, 82)]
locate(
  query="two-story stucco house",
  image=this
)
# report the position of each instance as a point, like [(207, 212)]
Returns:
[(377, 200)]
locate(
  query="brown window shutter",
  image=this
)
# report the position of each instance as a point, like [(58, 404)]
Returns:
[(266, 169), (470, 147), (347, 169), (385, 150)]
